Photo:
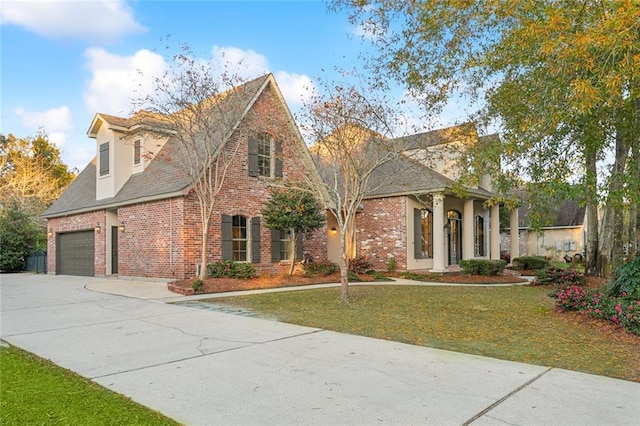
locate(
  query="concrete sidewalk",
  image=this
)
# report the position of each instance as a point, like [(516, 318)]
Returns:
[(203, 367)]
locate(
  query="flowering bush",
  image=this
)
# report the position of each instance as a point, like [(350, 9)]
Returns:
[(359, 265), (623, 310), (560, 278), (231, 269), (324, 267)]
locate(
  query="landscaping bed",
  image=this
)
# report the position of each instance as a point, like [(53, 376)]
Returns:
[(218, 285)]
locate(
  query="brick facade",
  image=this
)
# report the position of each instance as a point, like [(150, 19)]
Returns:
[(162, 238), (381, 232), (79, 222)]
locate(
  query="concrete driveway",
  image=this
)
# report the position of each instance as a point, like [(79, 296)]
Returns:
[(203, 367)]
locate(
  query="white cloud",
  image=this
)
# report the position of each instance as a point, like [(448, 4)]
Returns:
[(296, 88), (95, 19), (116, 80), (56, 122), (246, 63)]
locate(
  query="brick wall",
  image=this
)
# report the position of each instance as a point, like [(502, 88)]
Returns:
[(163, 238), (79, 222), (382, 232)]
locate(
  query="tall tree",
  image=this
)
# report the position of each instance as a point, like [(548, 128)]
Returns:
[(560, 78), (293, 209), (32, 174), (350, 130), (201, 105)]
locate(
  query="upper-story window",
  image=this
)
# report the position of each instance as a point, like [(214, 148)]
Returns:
[(104, 159), (136, 152), (265, 156)]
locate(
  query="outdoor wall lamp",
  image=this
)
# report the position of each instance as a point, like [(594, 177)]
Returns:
[(447, 228), (49, 234), (97, 228), (334, 231), (121, 228)]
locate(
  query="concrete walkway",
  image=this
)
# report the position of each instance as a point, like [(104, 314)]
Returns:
[(202, 367)]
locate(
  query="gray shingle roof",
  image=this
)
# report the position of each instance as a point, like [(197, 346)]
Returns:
[(164, 176)]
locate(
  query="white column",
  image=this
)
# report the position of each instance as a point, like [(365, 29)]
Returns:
[(494, 232), (439, 242), (468, 240), (515, 235)]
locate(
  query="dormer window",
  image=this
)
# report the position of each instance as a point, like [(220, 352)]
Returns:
[(104, 159), (136, 152), (265, 157)]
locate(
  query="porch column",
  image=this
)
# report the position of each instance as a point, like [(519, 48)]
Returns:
[(515, 235), (494, 232), (468, 240), (439, 242)]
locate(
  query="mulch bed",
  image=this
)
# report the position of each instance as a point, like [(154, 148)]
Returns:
[(218, 285)]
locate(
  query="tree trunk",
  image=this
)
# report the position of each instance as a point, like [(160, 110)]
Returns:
[(294, 247), (205, 241), (591, 201), (344, 277)]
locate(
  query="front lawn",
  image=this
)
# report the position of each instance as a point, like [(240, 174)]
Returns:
[(516, 323), (34, 391)]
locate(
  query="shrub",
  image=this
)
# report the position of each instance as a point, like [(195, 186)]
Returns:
[(560, 278), (531, 262), (483, 266), (323, 268), (359, 265), (623, 310), (626, 279), (231, 269), (352, 276), (379, 276), (197, 285), (391, 264)]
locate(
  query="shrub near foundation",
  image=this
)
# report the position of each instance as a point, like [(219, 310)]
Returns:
[(527, 263), (483, 266)]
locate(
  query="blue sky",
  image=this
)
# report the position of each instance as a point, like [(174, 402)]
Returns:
[(62, 61)]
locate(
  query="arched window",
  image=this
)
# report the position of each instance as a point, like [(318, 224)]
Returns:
[(239, 238), (479, 237), (423, 233)]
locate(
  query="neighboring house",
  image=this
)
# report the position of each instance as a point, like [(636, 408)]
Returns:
[(130, 212), (412, 215), (564, 233)]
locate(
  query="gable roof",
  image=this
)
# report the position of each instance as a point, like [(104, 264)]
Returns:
[(562, 213), (437, 137), (162, 178)]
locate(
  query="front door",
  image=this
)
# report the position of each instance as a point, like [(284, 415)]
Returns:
[(114, 249), (455, 237)]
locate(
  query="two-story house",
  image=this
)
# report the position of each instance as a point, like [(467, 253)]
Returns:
[(132, 210)]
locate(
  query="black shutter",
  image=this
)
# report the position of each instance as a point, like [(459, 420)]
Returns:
[(104, 158), (299, 251), (278, 159), (417, 234), (276, 244), (227, 237), (253, 157), (255, 239)]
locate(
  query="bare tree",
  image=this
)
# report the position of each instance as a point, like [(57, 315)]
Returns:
[(352, 134), (200, 106)]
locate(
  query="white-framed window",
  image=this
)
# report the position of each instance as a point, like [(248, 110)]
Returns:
[(239, 238)]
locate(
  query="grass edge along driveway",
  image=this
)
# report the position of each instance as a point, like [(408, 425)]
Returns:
[(517, 323), (36, 391)]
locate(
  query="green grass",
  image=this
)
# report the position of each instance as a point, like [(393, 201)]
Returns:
[(34, 391), (514, 323)]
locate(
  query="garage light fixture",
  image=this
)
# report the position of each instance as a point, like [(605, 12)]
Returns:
[(121, 228), (50, 234), (334, 231), (97, 228)]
